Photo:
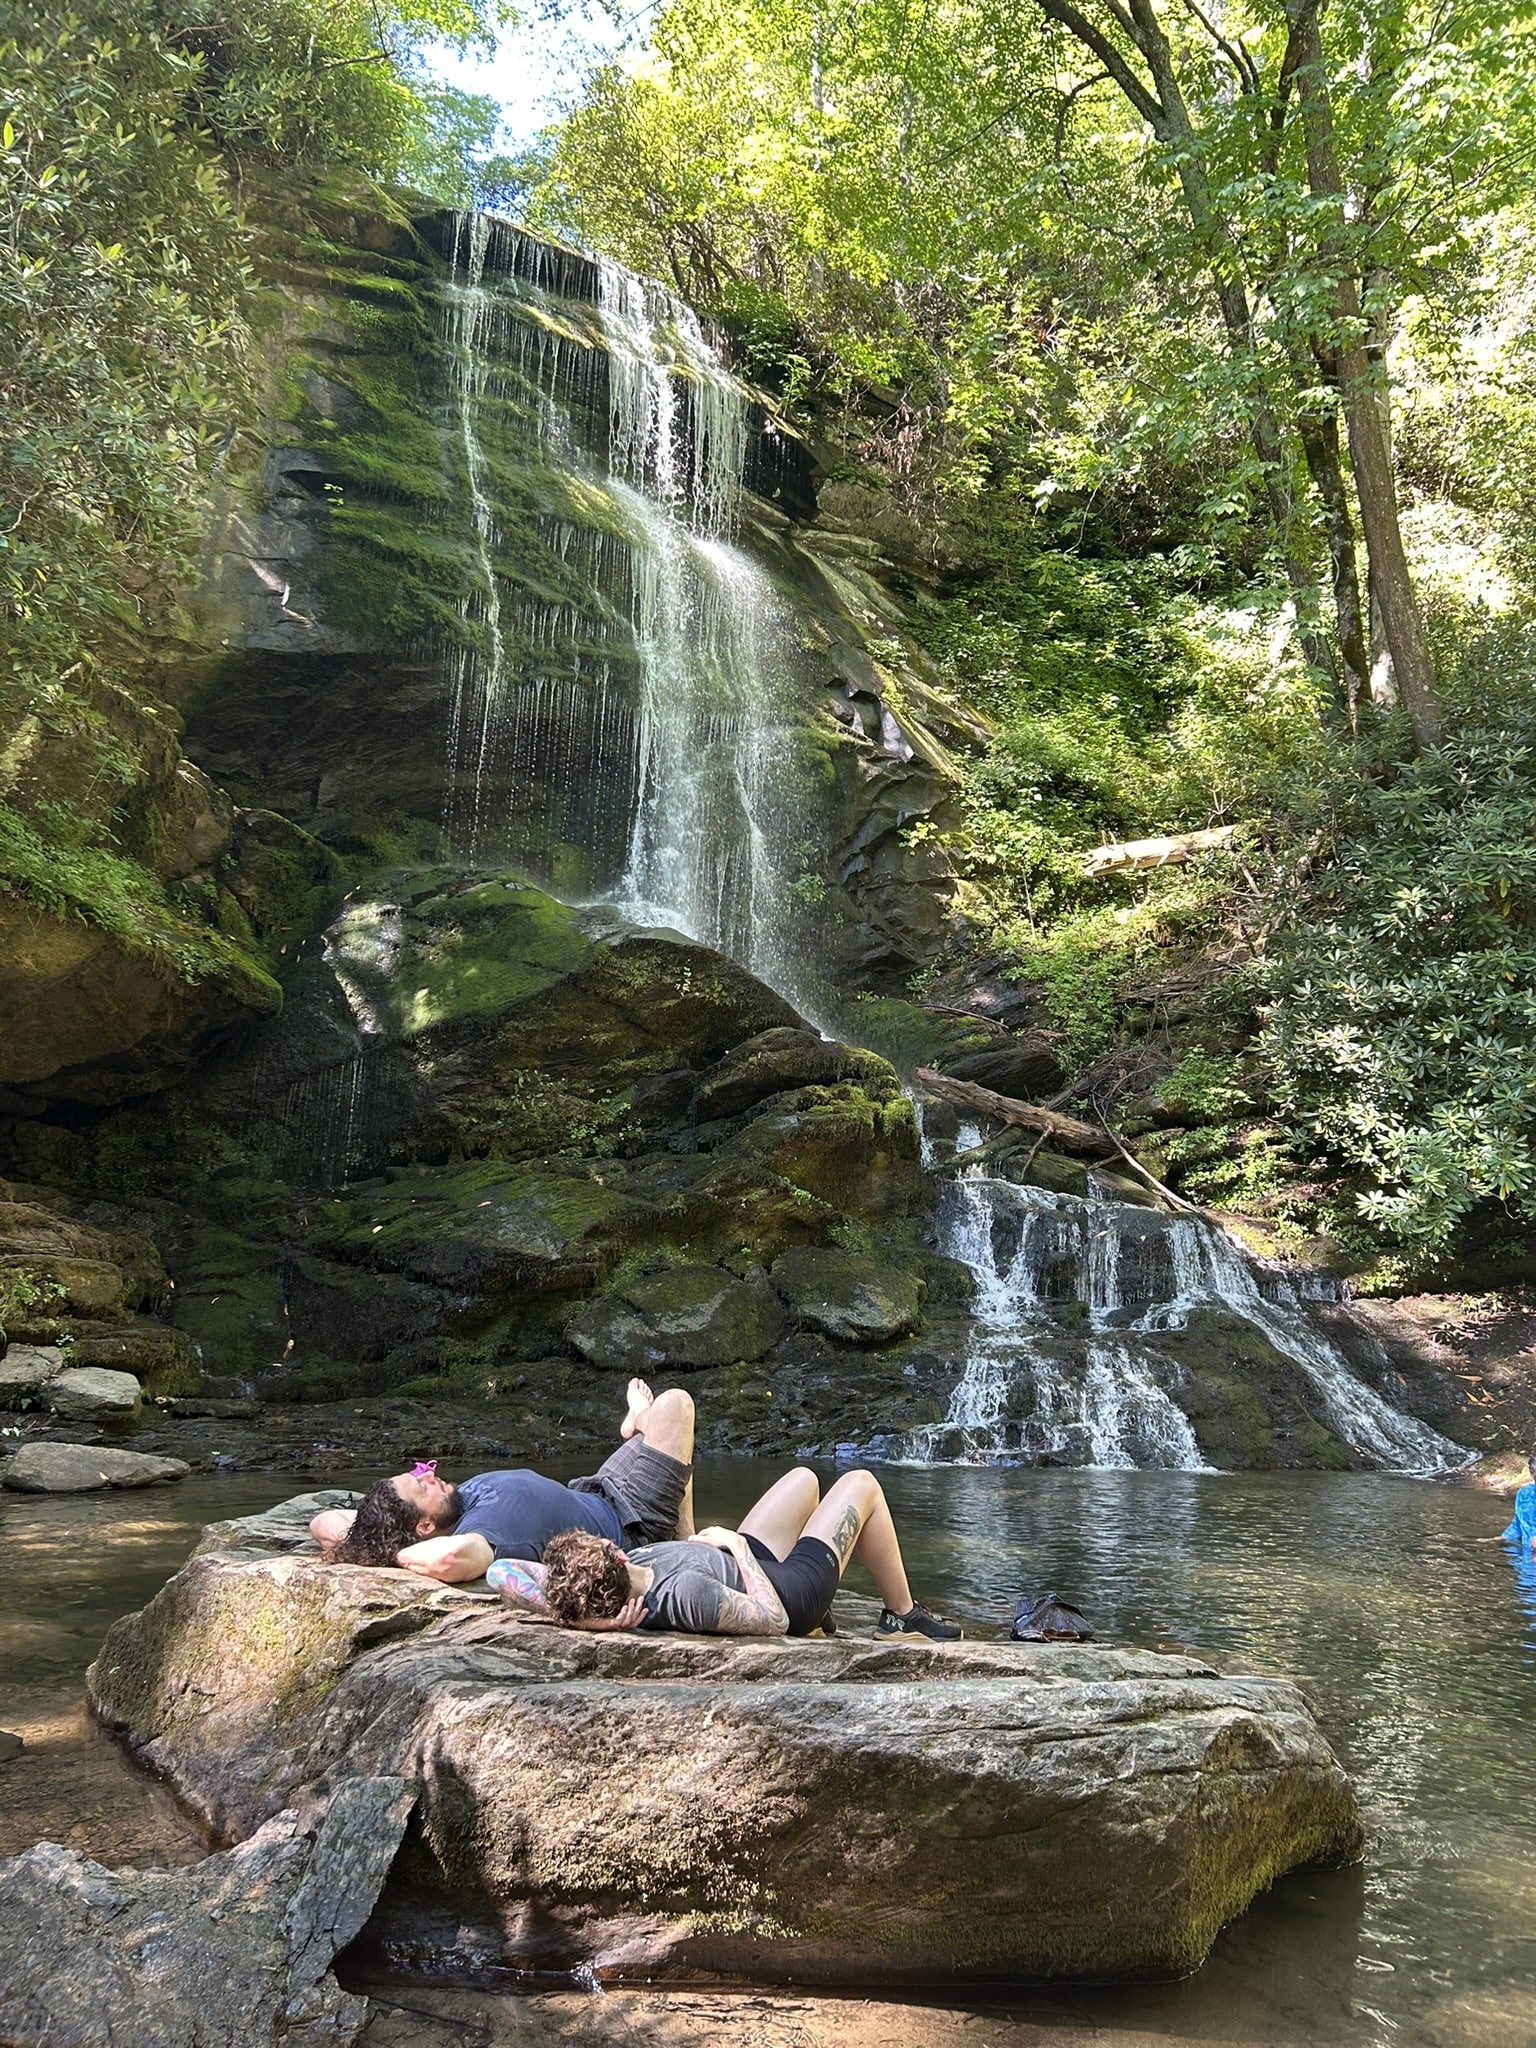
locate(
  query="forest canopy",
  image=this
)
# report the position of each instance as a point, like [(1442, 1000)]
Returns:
[(1181, 355)]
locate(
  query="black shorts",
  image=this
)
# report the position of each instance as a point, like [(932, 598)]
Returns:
[(805, 1580), (645, 1489)]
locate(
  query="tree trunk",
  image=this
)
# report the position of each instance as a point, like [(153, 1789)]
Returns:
[(1070, 1132), (1320, 442), (1164, 110), (1370, 445)]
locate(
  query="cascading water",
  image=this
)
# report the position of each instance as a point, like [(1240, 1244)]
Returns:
[(1071, 1294), (623, 724), (665, 739)]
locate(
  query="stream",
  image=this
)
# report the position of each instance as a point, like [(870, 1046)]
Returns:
[(1385, 1597)]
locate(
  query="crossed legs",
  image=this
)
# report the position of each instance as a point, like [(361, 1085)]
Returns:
[(665, 1421)]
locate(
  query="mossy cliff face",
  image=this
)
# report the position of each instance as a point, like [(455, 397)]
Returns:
[(479, 1110), (350, 570)]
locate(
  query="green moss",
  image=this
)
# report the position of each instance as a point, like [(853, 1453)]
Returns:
[(64, 864), (910, 1036), (471, 952)]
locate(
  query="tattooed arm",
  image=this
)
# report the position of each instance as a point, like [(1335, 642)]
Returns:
[(755, 1611)]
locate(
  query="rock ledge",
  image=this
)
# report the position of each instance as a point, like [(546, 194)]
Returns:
[(835, 1812)]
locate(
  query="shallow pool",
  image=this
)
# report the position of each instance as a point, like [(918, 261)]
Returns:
[(1411, 1630)]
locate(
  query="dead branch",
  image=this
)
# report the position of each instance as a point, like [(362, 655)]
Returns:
[(1168, 852), (1066, 1131)]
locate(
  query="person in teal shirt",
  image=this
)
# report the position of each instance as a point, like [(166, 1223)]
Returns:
[(1523, 1528)]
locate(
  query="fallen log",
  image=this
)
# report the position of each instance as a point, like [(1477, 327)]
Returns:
[(1169, 852), (1065, 1131)]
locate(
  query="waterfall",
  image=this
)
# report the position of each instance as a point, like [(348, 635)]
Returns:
[(479, 679), (624, 718), (1071, 1294), (648, 728)]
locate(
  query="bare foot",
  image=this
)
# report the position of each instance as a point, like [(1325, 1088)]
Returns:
[(640, 1399)]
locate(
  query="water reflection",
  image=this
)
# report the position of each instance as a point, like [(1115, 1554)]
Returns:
[(1412, 1628)]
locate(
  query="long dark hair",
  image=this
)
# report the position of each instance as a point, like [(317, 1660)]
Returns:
[(385, 1524)]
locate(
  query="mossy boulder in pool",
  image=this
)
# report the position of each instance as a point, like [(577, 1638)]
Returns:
[(852, 1811), (856, 1299), (689, 1316)]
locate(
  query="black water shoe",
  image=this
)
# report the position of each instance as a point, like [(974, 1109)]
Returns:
[(917, 1622)]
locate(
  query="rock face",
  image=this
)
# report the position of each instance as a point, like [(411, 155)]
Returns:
[(82, 1468), (545, 1105), (690, 1316), (832, 1811), (858, 1300), (234, 1952)]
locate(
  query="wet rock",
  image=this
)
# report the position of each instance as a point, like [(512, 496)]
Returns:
[(82, 1468), (10, 1746), (25, 1372), (770, 1808), (234, 1952), (855, 1299), (690, 1316), (95, 1394), (769, 1064)]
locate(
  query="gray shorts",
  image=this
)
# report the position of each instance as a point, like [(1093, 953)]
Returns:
[(644, 1487)]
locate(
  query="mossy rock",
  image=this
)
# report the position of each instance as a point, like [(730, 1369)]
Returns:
[(1250, 1407), (688, 1317), (849, 1147), (412, 962), (855, 1299), (165, 1361), (772, 1062), (487, 1230)]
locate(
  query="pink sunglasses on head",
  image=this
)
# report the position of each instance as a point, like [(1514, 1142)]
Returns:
[(424, 1468)]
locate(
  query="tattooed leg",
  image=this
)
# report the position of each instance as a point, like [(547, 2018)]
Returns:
[(855, 1519)]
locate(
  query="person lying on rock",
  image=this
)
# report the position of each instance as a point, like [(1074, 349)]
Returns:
[(773, 1576), (642, 1494)]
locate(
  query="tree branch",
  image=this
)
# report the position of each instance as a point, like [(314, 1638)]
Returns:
[(1066, 16), (1247, 71)]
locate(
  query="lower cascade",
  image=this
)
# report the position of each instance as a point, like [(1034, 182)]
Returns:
[(1072, 1297)]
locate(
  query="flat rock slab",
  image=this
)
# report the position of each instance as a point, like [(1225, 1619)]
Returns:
[(645, 1805), (94, 1393), (234, 1952), (81, 1468)]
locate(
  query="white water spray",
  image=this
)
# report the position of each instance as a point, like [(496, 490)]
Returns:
[(1068, 1293), (685, 725)]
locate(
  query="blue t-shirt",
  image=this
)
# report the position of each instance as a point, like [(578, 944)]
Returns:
[(518, 1512), (1523, 1528)]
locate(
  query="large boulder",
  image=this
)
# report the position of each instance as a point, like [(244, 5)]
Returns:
[(93, 1393), (234, 1952), (83, 1468), (653, 1805), (855, 1299), (688, 1316)]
